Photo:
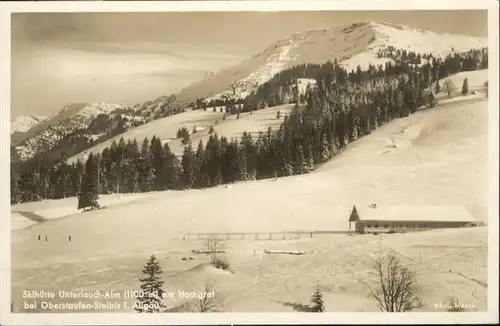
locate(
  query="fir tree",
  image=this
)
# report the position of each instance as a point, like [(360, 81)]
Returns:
[(212, 130), (465, 87), (151, 288), (438, 87), (317, 301), (431, 100), (188, 166), (88, 196)]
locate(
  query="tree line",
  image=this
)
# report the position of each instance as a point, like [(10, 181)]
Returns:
[(341, 108)]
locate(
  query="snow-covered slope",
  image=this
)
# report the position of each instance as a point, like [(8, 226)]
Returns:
[(25, 123), (410, 39), (352, 45), (166, 128)]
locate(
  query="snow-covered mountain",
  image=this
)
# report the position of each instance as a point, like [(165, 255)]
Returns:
[(93, 120), (25, 123), (352, 45)]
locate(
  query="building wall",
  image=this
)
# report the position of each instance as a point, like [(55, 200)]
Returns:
[(405, 226)]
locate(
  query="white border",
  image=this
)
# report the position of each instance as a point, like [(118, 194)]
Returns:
[(248, 318)]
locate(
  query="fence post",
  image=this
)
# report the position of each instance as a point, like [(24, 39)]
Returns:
[(311, 234)]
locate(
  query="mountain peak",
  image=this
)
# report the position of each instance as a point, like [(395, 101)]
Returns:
[(25, 123)]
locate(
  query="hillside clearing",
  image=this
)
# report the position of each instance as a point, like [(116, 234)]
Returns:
[(166, 128)]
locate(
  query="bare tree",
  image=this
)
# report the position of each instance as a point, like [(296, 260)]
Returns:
[(449, 87), (396, 288), (214, 248), (209, 300)]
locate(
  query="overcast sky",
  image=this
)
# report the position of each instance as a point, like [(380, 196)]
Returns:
[(127, 58)]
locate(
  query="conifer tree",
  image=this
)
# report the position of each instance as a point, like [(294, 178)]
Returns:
[(151, 288), (88, 196), (465, 87), (438, 87), (15, 195), (317, 301), (431, 100), (198, 165), (188, 166)]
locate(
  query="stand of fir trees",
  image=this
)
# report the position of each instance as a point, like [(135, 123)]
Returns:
[(340, 109)]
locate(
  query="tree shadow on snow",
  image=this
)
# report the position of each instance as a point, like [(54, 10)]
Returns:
[(296, 306)]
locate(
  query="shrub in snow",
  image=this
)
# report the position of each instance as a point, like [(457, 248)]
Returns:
[(221, 263), (454, 305)]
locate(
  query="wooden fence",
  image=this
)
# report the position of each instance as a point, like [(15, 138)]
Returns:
[(286, 235)]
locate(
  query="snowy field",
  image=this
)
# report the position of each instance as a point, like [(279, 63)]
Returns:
[(166, 128), (27, 214), (440, 158)]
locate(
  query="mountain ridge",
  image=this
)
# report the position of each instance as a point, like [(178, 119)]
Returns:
[(23, 123), (360, 41)]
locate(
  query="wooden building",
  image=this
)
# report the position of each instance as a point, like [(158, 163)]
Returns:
[(389, 219)]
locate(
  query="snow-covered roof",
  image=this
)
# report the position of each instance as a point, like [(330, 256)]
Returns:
[(415, 213)]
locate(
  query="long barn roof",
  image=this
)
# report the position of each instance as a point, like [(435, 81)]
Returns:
[(415, 213)]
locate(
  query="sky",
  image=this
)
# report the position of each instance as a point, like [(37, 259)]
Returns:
[(129, 58)]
